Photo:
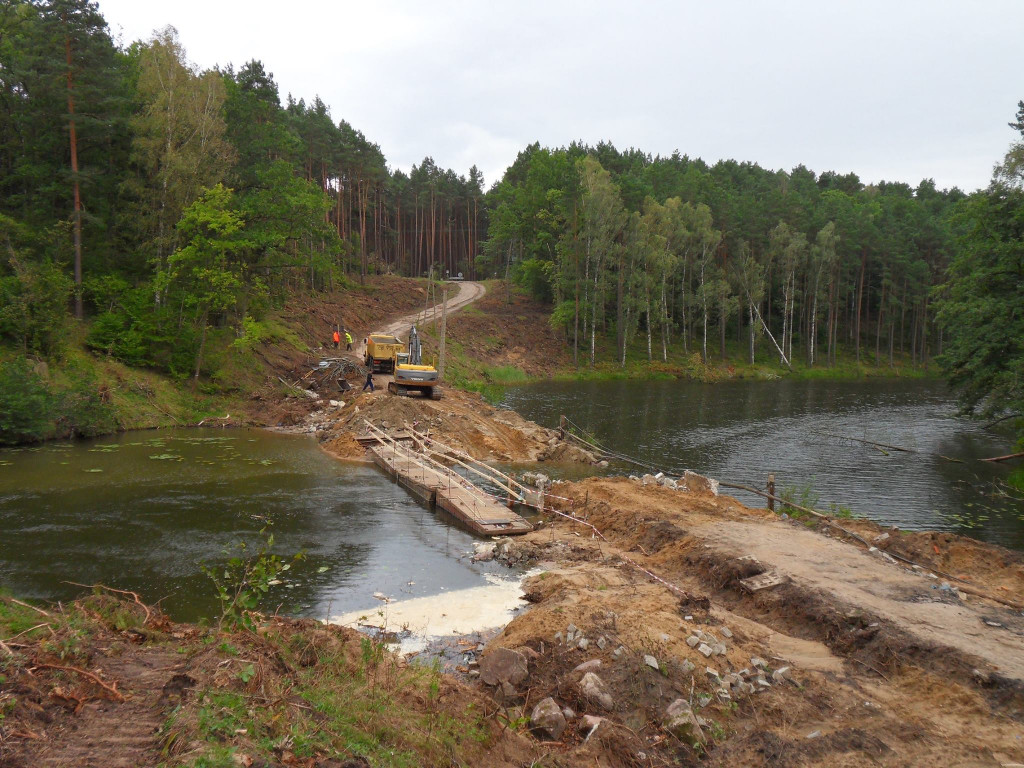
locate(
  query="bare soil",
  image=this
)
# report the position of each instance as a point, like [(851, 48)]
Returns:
[(885, 667)]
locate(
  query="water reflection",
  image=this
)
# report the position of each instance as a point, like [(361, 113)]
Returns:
[(141, 511), (741, 431)]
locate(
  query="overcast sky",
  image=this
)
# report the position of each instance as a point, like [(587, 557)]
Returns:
[(889, 90)]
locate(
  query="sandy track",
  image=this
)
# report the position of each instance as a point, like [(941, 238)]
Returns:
[(468, 293), (860, 579)]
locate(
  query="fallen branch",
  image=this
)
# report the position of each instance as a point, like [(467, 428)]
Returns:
[(1007, 457), (111, 689), (25, 605), (134, 596), (1002, 419)]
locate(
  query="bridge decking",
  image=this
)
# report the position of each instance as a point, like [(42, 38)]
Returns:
[(447, 489)]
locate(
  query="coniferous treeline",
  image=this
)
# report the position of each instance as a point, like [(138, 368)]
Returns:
[(686, 254), (166, 202), (163, 200)]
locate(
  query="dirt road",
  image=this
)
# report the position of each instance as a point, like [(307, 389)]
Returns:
[(468, 293)]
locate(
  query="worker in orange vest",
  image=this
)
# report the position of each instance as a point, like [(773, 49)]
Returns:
[(337, 340)]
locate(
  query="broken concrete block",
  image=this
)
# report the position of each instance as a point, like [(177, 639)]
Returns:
[(726, 632), (781, 674), (705, 649), (692, 641)]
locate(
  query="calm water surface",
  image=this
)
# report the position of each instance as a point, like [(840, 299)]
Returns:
[(740, 431), (142, 510)]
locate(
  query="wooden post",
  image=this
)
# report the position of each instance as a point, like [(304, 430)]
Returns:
[(444, 330), (771, 490), (562, 426)]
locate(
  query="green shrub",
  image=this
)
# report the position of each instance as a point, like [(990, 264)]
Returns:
[(26, 404)]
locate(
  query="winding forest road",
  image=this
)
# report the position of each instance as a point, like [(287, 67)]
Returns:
[(467, 294)]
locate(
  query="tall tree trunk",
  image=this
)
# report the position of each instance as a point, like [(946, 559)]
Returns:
[(860, 295), (878, 326), (77, 219)]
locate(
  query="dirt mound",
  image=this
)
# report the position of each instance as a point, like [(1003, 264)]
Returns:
[(462, 420), (857, 670)]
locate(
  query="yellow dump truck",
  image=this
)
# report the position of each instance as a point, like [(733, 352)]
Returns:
[(381, 351)]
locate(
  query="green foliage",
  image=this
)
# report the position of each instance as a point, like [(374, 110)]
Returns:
[(982, 304), (33, 298), (26, 406), (244, 580)]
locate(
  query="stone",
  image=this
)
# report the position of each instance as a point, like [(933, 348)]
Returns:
[(617, 653), (720, 649), (665, 638), (588, 724), (681, 722), (671, 484), (692, 641), (648, 480), (712, 673), (570, 637), (651, 662), (508, 690), (572, 629), (781, 674), (503, 665), (763, 683), (687, 666), (634, 478), (547, 719), (758, 662), (602, 643), (723, 694), (583, 644), (699, 484), (747, 688), (587, 666), (568, 713), (705, 649), (726, 632), (558, 637), (593, 689), (660, 476), (813, 734)]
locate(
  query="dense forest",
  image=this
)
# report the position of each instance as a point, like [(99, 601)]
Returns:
[(165, 205)]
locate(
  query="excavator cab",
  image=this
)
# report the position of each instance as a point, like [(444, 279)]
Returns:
[(410, 373)]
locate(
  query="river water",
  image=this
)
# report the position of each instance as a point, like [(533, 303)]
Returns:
[(142, 511), (740, 431)]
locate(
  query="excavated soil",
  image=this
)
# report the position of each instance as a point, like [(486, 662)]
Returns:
[(462, 420), (883, 669)]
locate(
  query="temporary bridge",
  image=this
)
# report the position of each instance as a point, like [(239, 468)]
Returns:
[(409, 457)]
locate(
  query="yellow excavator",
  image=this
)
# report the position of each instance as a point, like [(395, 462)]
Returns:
[(411, 375)]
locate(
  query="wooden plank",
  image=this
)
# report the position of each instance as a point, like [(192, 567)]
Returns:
[(449, 491)]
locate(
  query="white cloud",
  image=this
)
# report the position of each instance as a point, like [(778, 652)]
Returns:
[(893, 90)]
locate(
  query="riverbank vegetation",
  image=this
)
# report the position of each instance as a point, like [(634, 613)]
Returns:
[(157, 215)]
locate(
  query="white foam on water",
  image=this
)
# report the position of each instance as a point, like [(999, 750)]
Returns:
[(460, 612)]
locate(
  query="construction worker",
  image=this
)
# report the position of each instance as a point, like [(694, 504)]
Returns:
[(348, 341), (369, 380), (337, 339)]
